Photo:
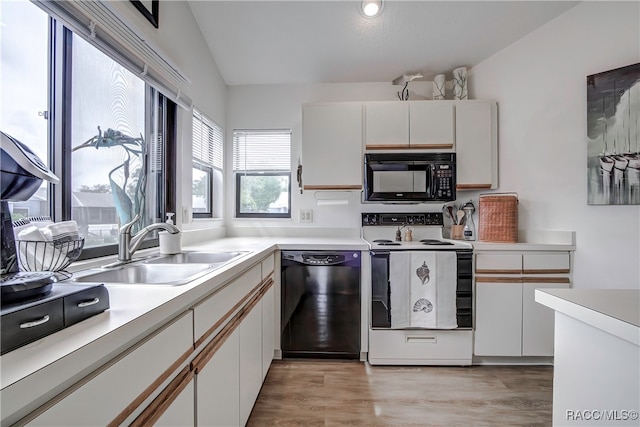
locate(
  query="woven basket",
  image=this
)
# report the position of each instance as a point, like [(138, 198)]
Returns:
[(498, 218)]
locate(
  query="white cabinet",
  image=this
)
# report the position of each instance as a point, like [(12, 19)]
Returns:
[(250, 361), (105, 396), (414, 124), (508, 320), (268, 316), (181, 412), (332, 156), (387, 125), (498, 318), (476, 145), (431, 125), (218, 384)]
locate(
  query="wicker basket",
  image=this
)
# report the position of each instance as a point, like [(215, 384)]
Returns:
[(498, 218)]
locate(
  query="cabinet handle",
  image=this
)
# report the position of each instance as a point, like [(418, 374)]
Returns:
[(38, 322), (88, 303), (421, 339)]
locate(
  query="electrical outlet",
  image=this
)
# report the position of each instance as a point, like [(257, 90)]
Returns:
[(306, 215)]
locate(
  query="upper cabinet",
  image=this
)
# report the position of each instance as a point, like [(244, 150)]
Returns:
[(413, 124), (476, 145), (332, 154)]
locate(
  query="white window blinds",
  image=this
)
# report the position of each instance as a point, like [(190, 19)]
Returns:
[(208, 141), (262, 150), (102, 25)]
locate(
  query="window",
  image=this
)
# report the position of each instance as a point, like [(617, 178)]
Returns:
[(207, 167), (107, 133), (262, 169), (23, 98)]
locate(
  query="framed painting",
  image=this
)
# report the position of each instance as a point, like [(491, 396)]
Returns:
[(613, 137), (149, 8)]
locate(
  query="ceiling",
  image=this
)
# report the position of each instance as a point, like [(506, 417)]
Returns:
[(301, 42)]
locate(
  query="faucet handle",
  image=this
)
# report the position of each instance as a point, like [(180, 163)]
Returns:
[(127, 227)]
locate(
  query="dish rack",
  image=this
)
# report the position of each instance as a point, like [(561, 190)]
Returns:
[(48, 256)]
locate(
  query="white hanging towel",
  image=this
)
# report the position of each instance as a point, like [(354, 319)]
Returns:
[(423, 289)]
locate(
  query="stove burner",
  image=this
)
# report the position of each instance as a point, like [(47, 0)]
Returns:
[(382, 241), (389, 243), (435, 242)]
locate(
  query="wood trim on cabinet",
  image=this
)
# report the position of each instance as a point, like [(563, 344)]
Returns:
[(200, 361), (387, 147), (332, 187), (154, 411), (126, 412), (498, 280), (497, 271), (444, 146), (546, 280), (549, 271), (226, 316), (473, 186)]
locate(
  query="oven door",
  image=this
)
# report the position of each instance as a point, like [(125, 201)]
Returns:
[(380, 293)]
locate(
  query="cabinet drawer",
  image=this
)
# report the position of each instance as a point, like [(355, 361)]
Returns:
[(430, 347), (208, 313), (499, 263), (102, 398), (268, 266), (546, 263)]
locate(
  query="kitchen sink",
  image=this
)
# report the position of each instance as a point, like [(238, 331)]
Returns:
[(196, 257), (148, 274)]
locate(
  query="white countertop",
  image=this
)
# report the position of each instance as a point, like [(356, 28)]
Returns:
[(51, 364), (534, 240), (615, 311)]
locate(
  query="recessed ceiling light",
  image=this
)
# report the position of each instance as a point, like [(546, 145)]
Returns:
[(371, 8)]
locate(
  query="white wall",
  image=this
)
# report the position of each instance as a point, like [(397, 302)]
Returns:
[(280, 106), (540, 85)]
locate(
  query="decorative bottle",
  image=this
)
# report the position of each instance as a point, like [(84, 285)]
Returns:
[(469, 231)]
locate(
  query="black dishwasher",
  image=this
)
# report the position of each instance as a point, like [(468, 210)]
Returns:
[(320, 315)]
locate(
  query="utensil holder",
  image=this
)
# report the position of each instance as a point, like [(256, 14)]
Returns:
[(457, 232)]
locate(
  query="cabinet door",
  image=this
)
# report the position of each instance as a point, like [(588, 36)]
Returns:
[(332, 156), (250, 361), (492, 263), (218, 386), (387, 125), (101, 399), (431, 124), (546, 263), (476, 145), (268, 330), (498, 317), (182, 411), (537, 321)]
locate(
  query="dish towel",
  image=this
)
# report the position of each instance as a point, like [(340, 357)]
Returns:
[(423, 289)]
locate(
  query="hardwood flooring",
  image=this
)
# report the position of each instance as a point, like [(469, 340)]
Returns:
[(349, 393)]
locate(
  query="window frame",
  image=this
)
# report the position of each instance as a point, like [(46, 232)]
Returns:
[(200, 163), (208, 170), (238, 180)]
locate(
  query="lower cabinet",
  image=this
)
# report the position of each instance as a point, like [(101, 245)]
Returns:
[(106, 397), (250, 361), (508, 320), (268, 329), (218, 386), (180, 412)]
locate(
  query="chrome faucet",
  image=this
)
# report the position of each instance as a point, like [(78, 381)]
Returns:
[(127, 244)]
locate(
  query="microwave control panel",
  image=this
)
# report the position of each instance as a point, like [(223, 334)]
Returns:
[(444, 181)]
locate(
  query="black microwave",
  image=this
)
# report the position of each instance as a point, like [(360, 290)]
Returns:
[(410, 177)]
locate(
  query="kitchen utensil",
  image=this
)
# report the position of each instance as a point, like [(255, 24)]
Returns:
[(460, 216)]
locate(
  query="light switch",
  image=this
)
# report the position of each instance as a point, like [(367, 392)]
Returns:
[(306, 215)]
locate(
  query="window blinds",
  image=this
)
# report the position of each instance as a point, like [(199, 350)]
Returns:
[(101, 25), (262, 150), (208, 141)]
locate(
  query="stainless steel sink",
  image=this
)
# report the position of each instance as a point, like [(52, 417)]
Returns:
[(150, 274), (190, 257)]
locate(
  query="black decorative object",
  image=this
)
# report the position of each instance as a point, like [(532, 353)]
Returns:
[(149, 8)]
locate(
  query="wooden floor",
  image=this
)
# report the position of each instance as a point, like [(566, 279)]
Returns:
[(349, 393)]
